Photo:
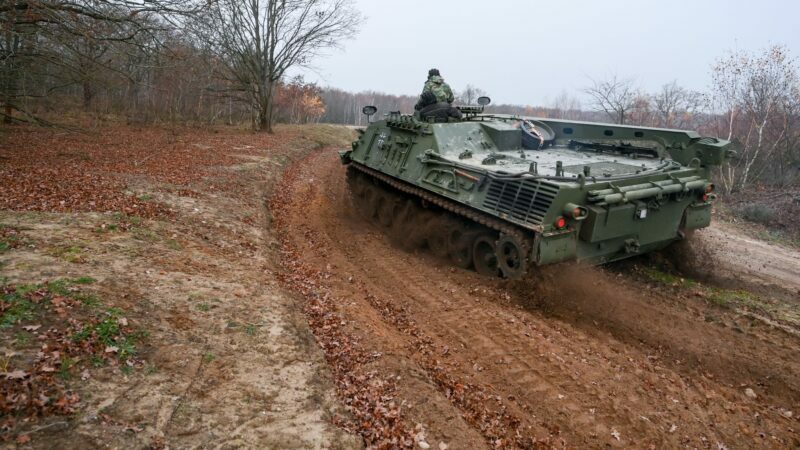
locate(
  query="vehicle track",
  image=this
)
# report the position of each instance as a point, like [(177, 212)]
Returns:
[(586, 362)]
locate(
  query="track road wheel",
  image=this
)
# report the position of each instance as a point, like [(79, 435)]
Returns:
[(484, 255), (459, 246), (511, 256), (437, 242)]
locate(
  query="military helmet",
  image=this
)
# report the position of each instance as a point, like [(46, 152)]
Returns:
[(433, 72)]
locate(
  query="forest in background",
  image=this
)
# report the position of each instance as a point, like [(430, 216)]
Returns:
[(169, 61)]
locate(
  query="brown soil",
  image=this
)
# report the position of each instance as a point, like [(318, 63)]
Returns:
[(229, 360), (572, 357)]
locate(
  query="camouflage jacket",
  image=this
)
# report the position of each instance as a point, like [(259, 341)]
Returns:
[(439, 88)]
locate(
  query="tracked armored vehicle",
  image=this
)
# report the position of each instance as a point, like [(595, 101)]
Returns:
[(521, 192)]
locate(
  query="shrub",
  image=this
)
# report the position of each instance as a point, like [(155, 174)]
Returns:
[(757, 212)]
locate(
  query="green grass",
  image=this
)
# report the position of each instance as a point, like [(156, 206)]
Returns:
[(64, 288), (122, 217), (66, 365), (145, 197), (12, 240), (89, 300), (726, 297), (17, 307), (60, 287), (204, 307), (251, 329), (144, 234), (669, 279), (208, 357), (83, 280), (71, 253), (109, 332), (173, 244), (21, 338)]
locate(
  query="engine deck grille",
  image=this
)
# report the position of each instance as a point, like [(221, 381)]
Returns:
[(524, 201)]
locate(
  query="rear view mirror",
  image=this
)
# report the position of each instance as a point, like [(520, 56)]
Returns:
[(483, 101), (369, 110)]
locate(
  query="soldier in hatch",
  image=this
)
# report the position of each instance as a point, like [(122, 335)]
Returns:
[(438, 87), (436, 98)]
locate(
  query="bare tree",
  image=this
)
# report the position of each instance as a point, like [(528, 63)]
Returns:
[(614, 96), (470, 94), (756, 94), (71, 35), (566, 106), (259, 40), (675, 106)]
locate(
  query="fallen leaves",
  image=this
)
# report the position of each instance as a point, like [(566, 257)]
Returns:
[(367, 395), (16, 375), (66, 333), (48, 170), (370, 396)]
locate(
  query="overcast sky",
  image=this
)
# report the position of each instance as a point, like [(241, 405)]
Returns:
[(527, 52)]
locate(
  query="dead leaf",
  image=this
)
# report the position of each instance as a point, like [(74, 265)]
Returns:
[(47, 369), (23, 439), (111, 349), (615, 433), (16, 375), (122, 321), (31, 327)]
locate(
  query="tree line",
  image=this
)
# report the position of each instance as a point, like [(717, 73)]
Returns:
[(175, 60), (226, 61)]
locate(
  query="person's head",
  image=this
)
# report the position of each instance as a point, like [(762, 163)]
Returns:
[(433, 72)]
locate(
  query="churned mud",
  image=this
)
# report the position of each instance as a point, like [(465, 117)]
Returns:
[(570, 357)]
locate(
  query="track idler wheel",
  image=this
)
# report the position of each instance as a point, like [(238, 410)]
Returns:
[(511, 256), (484, 255)]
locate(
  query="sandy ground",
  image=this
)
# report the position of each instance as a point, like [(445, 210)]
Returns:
[(230, 361), (573, 357)]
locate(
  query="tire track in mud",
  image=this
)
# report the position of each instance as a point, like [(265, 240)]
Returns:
[(559, 377), (478, 404)]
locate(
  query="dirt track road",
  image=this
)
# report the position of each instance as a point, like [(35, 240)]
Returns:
[(574, 357), (754, 260)]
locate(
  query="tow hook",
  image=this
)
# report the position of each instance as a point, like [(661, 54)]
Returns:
[(631, 246)]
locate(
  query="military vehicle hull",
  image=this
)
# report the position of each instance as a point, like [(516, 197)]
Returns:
[(589, 192)]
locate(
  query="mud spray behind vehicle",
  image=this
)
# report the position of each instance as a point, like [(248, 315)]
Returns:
[(532, 191)]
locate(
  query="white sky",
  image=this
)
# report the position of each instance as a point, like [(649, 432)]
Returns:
[(527, 52)]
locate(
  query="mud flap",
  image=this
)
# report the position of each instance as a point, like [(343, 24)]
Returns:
[(697, 216), (555, 248)]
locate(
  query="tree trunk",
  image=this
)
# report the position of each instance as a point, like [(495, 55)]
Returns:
[(265, 117), (88, 94)]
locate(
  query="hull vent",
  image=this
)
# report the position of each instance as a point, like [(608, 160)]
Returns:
[(522, 201)]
